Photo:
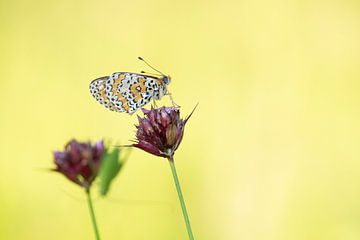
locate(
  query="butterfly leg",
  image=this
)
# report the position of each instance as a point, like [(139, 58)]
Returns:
[(154, 103), (173, 102)]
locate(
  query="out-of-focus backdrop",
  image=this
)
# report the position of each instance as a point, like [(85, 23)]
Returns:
[(271, 153)]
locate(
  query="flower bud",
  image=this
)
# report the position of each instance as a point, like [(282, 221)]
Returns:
[(80, 162), (160, 131)]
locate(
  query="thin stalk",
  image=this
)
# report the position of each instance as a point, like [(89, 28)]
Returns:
[(92, 214), (181, 198)]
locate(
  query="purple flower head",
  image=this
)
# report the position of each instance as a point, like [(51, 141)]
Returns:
[(80, 162), (160, 131)]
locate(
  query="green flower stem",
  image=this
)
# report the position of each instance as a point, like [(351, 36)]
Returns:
[(92, 214), (181, 198)]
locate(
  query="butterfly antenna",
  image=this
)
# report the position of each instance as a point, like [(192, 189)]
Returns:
[(151, 73), (140, 58)]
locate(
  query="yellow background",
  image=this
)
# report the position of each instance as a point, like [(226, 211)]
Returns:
[(271, 153)]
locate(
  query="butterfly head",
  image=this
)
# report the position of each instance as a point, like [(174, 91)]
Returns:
[(166, 79)]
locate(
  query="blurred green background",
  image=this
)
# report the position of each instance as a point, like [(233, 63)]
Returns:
[(272, 152)]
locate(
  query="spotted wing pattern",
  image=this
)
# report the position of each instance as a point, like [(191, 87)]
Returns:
[(126, 92)]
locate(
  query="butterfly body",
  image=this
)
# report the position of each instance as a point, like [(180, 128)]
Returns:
[(127, 92)]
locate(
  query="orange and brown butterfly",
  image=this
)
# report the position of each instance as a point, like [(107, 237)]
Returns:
[(127, 91)]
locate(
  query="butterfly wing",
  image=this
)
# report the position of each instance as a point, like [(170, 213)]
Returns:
[(140, 89), (125, 91), (98, 91)]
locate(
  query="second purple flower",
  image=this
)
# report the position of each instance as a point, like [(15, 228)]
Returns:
[(80, 162)]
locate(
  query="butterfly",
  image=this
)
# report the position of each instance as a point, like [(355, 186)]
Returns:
[(127, 91)]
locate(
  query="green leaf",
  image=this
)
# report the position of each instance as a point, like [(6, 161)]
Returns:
[(109, 169)]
